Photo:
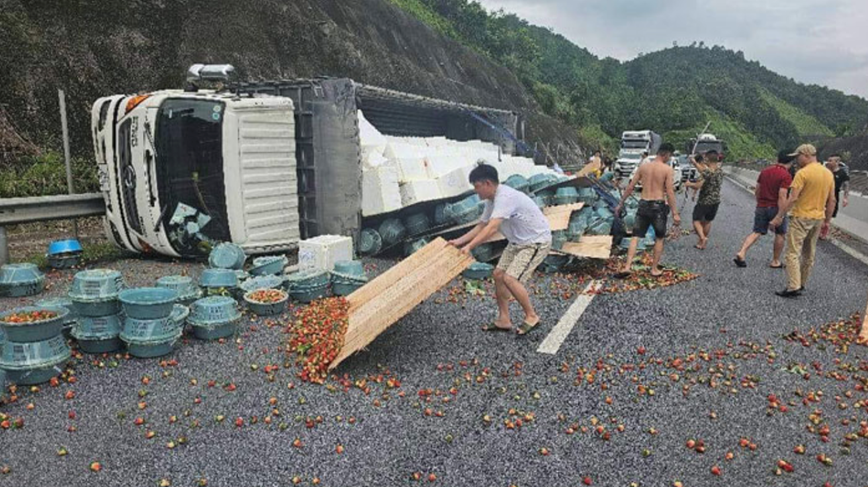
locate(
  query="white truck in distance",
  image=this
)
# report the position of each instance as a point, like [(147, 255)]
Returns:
[(633, 144)]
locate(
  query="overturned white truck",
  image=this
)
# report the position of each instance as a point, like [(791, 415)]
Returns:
[(260, 164)]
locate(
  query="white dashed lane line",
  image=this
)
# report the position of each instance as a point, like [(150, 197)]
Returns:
[(559, 333)]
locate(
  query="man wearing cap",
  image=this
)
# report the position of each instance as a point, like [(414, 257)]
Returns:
[(771, 194), (812, 200)]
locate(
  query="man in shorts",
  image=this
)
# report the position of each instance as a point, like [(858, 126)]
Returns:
[(709, 197), (529, 238), (658, 184), (771, 191), (842, 185)]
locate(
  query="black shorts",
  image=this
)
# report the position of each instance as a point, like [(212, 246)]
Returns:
[(705, 213), (651, 214)]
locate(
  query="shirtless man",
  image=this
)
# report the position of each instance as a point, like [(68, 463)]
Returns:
[(658, 184)]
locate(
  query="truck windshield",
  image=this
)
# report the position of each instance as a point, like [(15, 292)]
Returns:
[(634, 144), (705, 146), (189, 143)]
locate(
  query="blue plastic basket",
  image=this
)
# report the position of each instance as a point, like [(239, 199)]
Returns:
[(213, 311), (478, 270), (19, 280), (148, 303), (64, 261), (227, 256), (349, 268), (96, 285), (518, 182), (183, 285), (266, 309), (37, 330), (97, 328), (566, 196), (413, 246), (559, 238), (269, 264), (306, 294), (308, 279), (392, 231), (162, 329), (346, 287), (483, 253), (64, 247), (417, 223), (152, 349), (34, 362), (370, 242), (96, 308), (441, 216), (262, 282), (218, 278)]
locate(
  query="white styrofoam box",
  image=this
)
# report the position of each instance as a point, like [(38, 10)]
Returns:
[(380, 190), (422, 190), (411, 169), (440, 165), (401, 150), (373, 159), (437, 141), (456, 182), (321, 253)]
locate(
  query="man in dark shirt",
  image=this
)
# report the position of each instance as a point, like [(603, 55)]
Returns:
[(771, 191), (709, 197), (842, 184)]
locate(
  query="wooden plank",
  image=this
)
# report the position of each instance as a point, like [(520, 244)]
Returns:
[(385, 302), (382, 282), (590, 246)]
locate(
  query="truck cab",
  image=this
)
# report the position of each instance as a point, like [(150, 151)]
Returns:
[(633, 144), (180, 170)]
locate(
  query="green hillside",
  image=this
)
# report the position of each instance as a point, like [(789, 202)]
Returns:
[(674, 91)]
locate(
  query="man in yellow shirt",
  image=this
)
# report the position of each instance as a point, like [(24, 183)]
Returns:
[(812, 200)]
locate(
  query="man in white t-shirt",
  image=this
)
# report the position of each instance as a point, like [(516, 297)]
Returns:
[(526, 229)]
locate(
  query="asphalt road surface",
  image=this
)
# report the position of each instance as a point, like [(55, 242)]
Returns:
[(639, 375)]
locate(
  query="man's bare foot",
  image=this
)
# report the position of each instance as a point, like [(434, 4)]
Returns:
[(532, 320), (703, 242)]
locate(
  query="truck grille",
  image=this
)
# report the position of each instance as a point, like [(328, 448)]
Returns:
[(127, 177)]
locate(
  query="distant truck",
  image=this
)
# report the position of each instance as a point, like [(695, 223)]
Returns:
[(258, 164), (700, 145), (633, 144)]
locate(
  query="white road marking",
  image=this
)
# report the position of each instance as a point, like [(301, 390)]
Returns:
[(559, 333), (849, 250)]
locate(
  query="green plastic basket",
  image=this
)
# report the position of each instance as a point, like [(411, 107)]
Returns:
[(20, 280), (34, 362), (392, 231), (157, 330), (186, 288), (518, 182), (441, 215), (98, 328), (566, 196), (417, 223), (413, 246), (266, 309), (152, 349), (270, 264), (306, 294), (478, 271), (96, 285), (262, 282), (148, 303)]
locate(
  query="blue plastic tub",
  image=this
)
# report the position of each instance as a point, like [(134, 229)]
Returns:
[(308, 279), (213, 310), (266, 309), (148, 303), (346, 287), (517, 182), (262, 282), (559, 238), (98, 334), (441, 215), (566, 196), (541, 181), (227, 256), (306, 294), (270, 264), (483, 253), (540, 202), (392, 231), (34, 362), (218, 278), (183, 285), (478, 270), (64, 261), (349, 268), (64, 246), (417, 223), (413, 246), (96, 285), (370, 242), (162, 329), (19, 280), (96, 308), (37, 330), (215, 332), (554, 263), (151, 349)]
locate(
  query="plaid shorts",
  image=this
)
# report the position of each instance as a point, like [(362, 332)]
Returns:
[(519, 261)]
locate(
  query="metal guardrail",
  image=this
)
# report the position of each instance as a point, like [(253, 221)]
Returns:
[(15, 211)]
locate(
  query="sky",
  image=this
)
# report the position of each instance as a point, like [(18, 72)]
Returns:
[(821, 42)]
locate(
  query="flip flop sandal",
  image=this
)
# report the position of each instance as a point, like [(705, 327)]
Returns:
[(777, 266), (526, 328), (493, 327), (739, 262), (621, 275)]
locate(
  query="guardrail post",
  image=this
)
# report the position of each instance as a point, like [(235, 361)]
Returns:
[(4, 249), (62, 99)]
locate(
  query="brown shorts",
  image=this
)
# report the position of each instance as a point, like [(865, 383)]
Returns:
[(519, 261)]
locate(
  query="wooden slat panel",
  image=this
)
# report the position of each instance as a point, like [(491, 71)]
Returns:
[(590, 246), (382, 282), (378, 305)]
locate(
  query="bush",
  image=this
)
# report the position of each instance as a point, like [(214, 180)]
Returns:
[(46, 175)]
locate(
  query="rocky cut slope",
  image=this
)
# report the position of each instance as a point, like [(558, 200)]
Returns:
[(94, 48)]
